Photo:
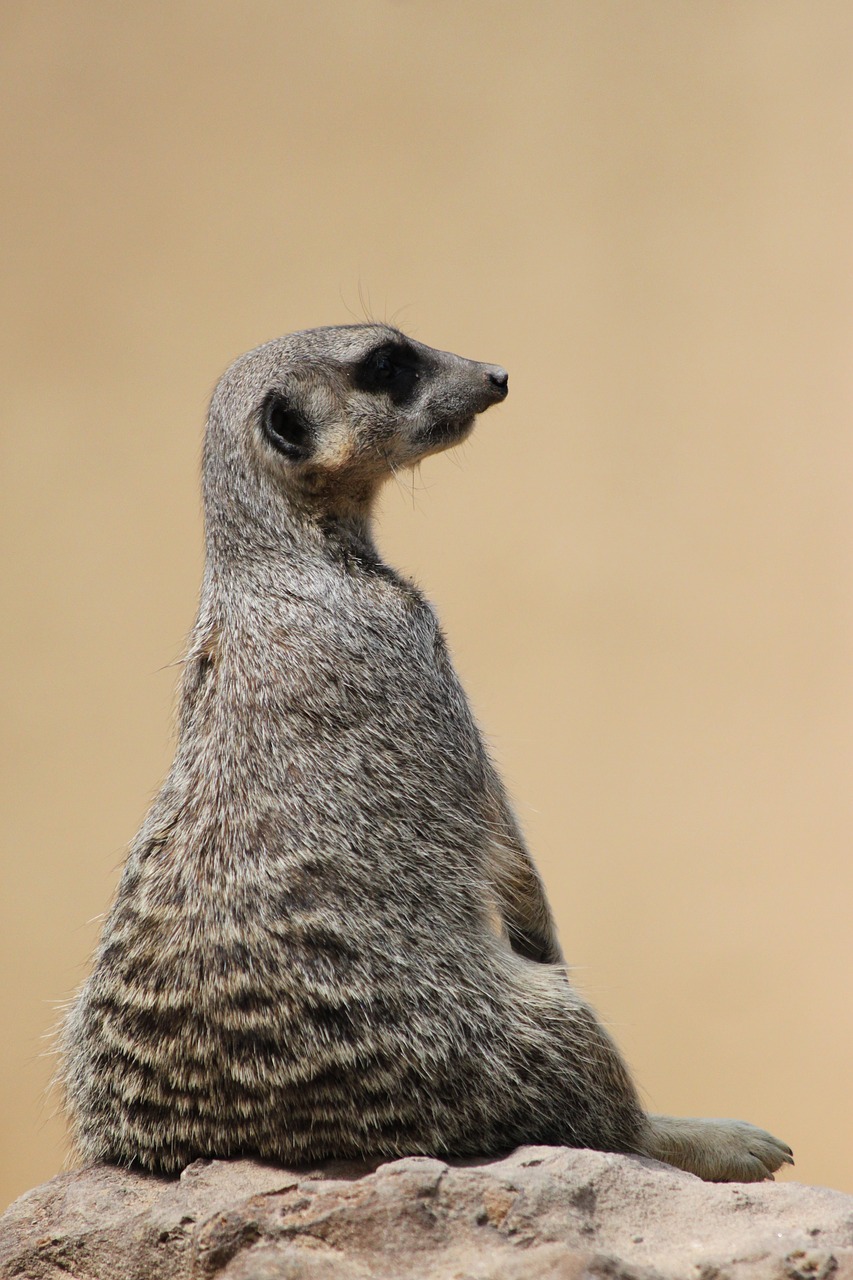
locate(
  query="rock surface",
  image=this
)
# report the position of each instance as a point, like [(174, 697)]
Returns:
[(543, 1212)]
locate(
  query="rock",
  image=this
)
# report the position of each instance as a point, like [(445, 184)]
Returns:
[(544, 1212)]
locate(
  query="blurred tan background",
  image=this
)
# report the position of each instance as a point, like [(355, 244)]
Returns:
[(644, 209)]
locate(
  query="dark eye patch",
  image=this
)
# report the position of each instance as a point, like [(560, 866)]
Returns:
[(285, 427), (394, 368)]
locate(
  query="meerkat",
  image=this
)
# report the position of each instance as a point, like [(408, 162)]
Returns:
[(329, 938)]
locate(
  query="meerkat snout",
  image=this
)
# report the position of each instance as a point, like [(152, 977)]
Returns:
[(431, 397), (499, 379)]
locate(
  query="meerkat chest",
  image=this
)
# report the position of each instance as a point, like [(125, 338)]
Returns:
[(342, 657), (363, 672), (364, 636)]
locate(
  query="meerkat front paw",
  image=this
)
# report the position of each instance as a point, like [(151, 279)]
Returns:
[(716, 1150)]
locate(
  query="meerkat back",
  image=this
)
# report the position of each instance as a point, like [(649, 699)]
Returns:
[(329, 939)]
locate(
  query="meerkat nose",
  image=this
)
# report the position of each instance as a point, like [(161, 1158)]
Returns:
[(499, 379)]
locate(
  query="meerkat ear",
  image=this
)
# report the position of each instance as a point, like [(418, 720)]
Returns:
[(285, 427)]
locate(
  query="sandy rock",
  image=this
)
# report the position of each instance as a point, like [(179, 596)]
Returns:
[(543, 1212)]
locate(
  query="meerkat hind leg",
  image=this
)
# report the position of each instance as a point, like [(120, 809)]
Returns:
[(716, 1150)]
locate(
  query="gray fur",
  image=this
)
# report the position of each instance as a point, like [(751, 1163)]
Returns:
[(329, 939)]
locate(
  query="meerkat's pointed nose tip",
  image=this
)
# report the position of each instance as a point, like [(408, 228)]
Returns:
[(498, 380)]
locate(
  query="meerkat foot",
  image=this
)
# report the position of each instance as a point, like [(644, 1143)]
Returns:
[(716, 1150)]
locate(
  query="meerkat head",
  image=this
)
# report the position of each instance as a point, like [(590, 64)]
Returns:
[(322, 417)]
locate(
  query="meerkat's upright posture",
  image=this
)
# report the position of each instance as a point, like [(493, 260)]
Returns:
[(329, 939)]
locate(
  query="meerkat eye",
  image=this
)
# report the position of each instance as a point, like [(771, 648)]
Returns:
[(393, 369), (285, 427)]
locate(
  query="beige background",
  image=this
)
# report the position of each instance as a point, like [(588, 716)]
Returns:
[(643, 208)]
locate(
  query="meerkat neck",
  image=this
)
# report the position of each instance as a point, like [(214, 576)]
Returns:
[(302, 559), (350, 534)]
